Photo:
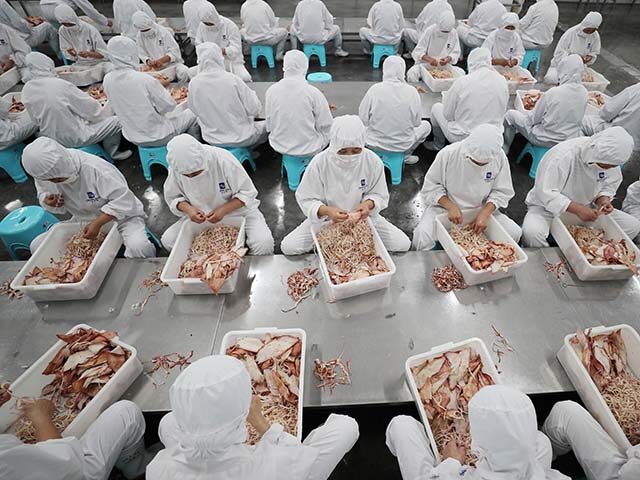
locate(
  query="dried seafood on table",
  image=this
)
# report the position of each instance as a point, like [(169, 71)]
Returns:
[(167, 363), (5, 289), (515, 76), (605, 358), (5, 393), (300, 283), (500, 346), (332, 373), (446, 384), (482, 253), (153, 283), (273, 362), (448, 278), (179, 94), (587, 76), (441, 73), (602, 251), (97, 93), (16, 106), (557, 268), (349, 251), (530, 98)]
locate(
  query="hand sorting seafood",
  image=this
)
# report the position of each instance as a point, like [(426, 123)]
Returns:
[(602, 251), (482, 253), (441, 73), (596, 99), (16, 106), (530, 98), (180, 94)]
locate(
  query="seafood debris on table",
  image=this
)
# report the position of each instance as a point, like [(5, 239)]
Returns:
[(446, 384), (515, 76), (605, 358), (300, 284), (180, 94), (557, 268), (349, 251), (5, 393), (168, 362), (332, 373), (5, 289), (441, 73), (530, 98), (587, 76), (153, 283), (448, 278), (482, 253), (596, 99), (602, 251), (16, 106), (500, 346), (273, 362), (97, 93), (72, 267)]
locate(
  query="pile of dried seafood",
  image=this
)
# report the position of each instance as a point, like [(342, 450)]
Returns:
[(446, 384), (602, 251), (180, 94), (448, 278), (482, 253), (530, 98), (161, 78), (587, 76), (5, 289), (72, 267), (515, 76), (5, 393), (558, 268), (168, 362), (300, 283), (349, 250), (327, 372), (97, 93), (441, 73), (605, 358), (273, 362), (596, 99), (16, 106)]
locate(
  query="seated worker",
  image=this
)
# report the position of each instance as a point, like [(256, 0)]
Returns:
[(14, 130), (505, 43), (427, 17), (13, 52), (313, 23), (539, 24), (484, 19), (123, 11), (157, 47), (631, 204), (80, 42), (260, 26), (48, 9), (32, 30), (385, 23)]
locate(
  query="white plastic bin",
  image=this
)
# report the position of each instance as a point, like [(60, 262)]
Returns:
[(587, 389), (82, 76), (579, 263), (180, 252), (488, 367), (599, 82), (18, 98), (519, 102), (8, 79), (441, 84), (169, 71), (494, 231), (31, 382), (517, 85), (592, 109), (362, 285), (53, 247)]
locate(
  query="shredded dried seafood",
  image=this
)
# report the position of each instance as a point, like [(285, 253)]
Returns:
[(587, 76), (97, 93), (300, 283), (446, 384), (596, 99), (167, 363), (153, 283), (482, 253), (161, 78), (441, 73), (530, 98), (332, 373), (5, 393), (514, 76), (602, 251), (557, 268), (5, 289), (16, 106), (180, 94), (273, 362), (448, 278), (500, 346)]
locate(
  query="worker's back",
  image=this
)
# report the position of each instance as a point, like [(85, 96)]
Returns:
[(309, 20)]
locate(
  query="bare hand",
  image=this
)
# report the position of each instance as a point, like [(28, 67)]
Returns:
[(337, 214), (587, 214), (54, 201), (455, 214), (216, 215), (605, 205), (196, 215), (445, 60), (84, 54), (420, 89), (71, 52), (332, 107), (7, 64), (513, 62), (586, 58), (92, 230), (109, 23), (452, 450), (430, 60), (481, 222), (39, 410), (255, 418), (363, 209)]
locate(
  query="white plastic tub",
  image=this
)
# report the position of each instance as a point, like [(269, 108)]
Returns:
[(360, 286), (488, 367), (180, 252), (494, 231), (516, 85), (231, 337), (592, 109), (18, 97), (519, 103), (579, 263), (599, 82), (82, 75), (53, 247), (169, 71), (8, 79), (441, 84), (31, 382), (588, 390)]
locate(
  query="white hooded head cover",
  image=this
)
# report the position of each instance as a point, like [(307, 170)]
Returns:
[(479, 58), (209, 14), (45, 159), (393, 69), (209, 57), (40, 65), (123, 52), (185, 154), (65, 14), (446, 21), (483, 143), (570, 69), (347, 131), (295, 64), (142, 21), (612, 146), (591, 20)]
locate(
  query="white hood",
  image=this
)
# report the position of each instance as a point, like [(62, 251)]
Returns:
[(295, 64), (39, 65), (347, 131), (123, 52), (393, 69), (185, 154), (45, 159), (570, 69), (479, 58), (612, 146), (209, 57)]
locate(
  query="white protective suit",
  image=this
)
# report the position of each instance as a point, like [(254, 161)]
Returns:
[(631, 204), (155, 41), (223, 178), (123, 11), (13, 46), (313, 23), (570, 427), (576, 41), (504, 435), (81, 37), (484, 19), (224, 33), (539, 24), (477, 98), (116, 438), (14, 130), (191, 13), (503, 43), (143, 106), (392, 111), (33, 35), (385, 24), (260, 26), (439, 41), (558, 115), (622, 110), (48, 9), (427, 17), (65, 113), (335, 181), (93, 187), (468, 185), (205, 433), (224, 105), (294, 101), (569, 173)]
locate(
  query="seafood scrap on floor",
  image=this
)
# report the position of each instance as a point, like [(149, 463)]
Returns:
[(600, 250), (482, 253)]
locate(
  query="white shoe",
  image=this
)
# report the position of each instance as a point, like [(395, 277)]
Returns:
[(122, 155), (341, 53), (411, 160)]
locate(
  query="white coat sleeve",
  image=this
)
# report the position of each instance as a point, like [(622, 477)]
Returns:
[(310, 193), (122, 203), (527, 20), (611, 183), (199, 33), (19, 47), (239, 182), (549, 184), (82, 104), (87, 7), (364, 110), (322, 114), (502, 190), (234, 50), (98, 43), (173, 194), (161, 99), (631, 469), (250, 100), (456, 50), (562, 49), (173, 50), (271, 16), (142, 51), (65, 44), (450, 99), (537, 114), (595, 50), (377, 192), (422, 46), (15, 20), (401, 17), (416, 109), (518, 54), (370, 16), (327, 17), (615, 105), (433, 188), (295, 22), (473, 17), (489, 42), (45, 189)]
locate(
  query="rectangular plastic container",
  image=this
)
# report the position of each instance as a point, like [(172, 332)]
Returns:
[(441, 84), (360, 286), (53, 247), (31, 382), (231, 337), (180, 252), (579, 263), (8, 79), (519, 103), (81, 76), (18, 97), (592, 109), (169, 71), (587, 389), (494, 231), (599, 82), (488, 367), (517, 85)]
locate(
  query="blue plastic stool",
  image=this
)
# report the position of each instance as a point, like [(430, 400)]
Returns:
[(22, 226), (294, 167), (243, 154), (319, 77), (10, 162), (316, 49), (380, 51), (98, 151), (153, 239), (265, 51), (150, 156), (536, 154), (531, 56), (394, 161)]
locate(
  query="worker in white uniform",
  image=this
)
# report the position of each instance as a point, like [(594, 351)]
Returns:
[(14, 130), (191, 13), (557, 116), (205, 433), (346, 177), (93, 191), (260, 26), (631, 204), (65, 113), (484, 19), (539, 24), (467, 175), (429, 15), (477, 98), (582, 39), (313, 23), (157, 47), (80, 42), (123, 11), (504, 434), (505, 43), (385, 24), (114, 439), (208, 184), (392, 112), (31, 32), (48, 9), (294, 101), (144, 107), (223, 32), (579, 176), (13, 50)]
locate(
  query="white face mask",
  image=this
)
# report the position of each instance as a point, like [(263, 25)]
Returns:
[(69, 180), (348, 161)]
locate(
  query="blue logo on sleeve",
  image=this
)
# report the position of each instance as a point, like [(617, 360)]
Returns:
[(488, 177), (602, 176), (363, 183), (222, 186)]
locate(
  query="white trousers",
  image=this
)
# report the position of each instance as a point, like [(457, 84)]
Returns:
[(23, 127), (424, 236), (592, 124), (333, 33), (45, 32), (516, 122), (441, 128), (107, 131), (571, 427), (551, 78), (367, 39), (300, 241), (238, 69), (185, 121), (410, 38), (634, 211), (259, 237), (258, 137), (277, 36), (420, 134), (471, 40), (333, 440)]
